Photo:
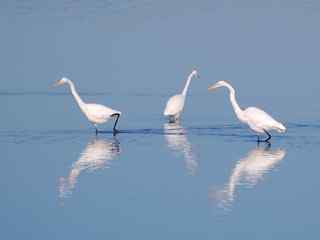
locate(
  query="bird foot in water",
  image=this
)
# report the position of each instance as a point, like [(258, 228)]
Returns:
[(115, 131), (265, 141), (267, 144), (173, 119)]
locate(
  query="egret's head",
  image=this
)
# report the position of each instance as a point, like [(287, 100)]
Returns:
[(281, 128), (61, 82), (195, 73), (220, 83)]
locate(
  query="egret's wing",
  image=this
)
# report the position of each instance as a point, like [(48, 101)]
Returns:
[(100, 111), (259, 117), (174, 105)]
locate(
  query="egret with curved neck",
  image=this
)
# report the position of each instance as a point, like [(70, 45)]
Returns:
[(95, 113), (257, 120), (175, 103)]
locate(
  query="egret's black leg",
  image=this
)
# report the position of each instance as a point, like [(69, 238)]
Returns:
[(115, 131), (172, 119), (269, 136), (258, 140), (97, 131)]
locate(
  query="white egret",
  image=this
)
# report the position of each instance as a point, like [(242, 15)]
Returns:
[(95, 113), (175, 104), (258, 120)]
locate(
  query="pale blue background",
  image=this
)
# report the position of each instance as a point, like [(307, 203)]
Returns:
[(132, 55)]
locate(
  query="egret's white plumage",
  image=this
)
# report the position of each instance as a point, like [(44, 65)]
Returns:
[(257, 119), (175, 104), (95, 113)]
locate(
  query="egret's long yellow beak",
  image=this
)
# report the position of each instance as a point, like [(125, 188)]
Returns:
[(212, 87), (57, 83)]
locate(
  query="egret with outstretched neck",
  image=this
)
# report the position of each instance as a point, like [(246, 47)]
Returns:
[(175, 103), (95, 113), (257, 120)]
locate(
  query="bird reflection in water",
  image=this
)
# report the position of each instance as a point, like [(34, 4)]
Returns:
[(248, 172), (177, 141), (97, 155)]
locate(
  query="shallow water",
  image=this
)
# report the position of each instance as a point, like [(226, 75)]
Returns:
[(182, 180), (204, 178)]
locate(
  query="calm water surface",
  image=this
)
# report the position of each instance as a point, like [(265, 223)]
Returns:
[(184, 180), (204, 178)]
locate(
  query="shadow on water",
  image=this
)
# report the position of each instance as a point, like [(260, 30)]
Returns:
[(247, 172), (96, 155), (298, 134)]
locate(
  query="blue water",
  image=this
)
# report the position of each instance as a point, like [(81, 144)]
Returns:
[(204, 178), (196, 179)]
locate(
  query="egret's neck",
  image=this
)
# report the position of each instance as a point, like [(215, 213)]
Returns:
[(185, 89), (237, 109), (76, 96)]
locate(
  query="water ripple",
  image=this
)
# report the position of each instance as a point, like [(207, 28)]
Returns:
[(298, 134)]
